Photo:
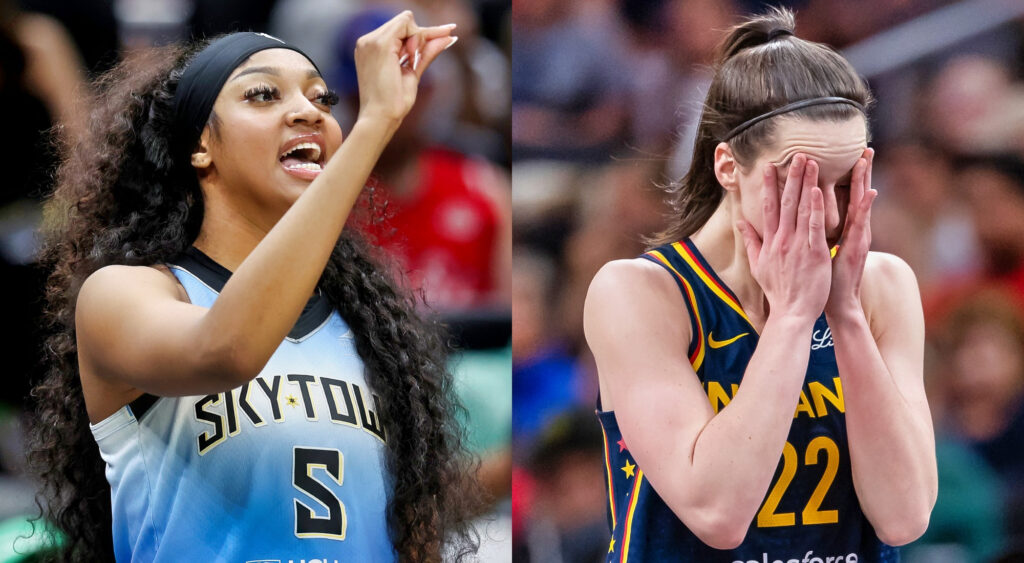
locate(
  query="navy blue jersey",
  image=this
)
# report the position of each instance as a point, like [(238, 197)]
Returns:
[(810, 513)]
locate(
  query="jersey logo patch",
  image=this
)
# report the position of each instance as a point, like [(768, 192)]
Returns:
[(723, 343), (822, 339)]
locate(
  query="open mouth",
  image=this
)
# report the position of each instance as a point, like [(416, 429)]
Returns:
[(304, 159)]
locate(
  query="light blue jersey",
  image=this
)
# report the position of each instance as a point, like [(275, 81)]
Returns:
[(288, 467)]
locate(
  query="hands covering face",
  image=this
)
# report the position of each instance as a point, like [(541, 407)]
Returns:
[(791, 259), (848, 264)]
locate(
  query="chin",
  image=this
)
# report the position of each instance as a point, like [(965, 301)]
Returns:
[(833, 238), (287, 193)]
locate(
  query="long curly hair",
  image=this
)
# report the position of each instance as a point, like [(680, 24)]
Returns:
[(122, 197)]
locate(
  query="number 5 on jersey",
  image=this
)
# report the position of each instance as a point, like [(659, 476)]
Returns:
[(307, 523)]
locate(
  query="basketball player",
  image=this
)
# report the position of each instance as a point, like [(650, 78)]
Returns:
[(257, 388), (763, 401)]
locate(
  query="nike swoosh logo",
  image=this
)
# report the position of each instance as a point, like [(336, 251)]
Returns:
[(723, 343)]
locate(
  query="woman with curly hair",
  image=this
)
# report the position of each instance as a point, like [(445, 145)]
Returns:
[(257, 387), (768, 403)]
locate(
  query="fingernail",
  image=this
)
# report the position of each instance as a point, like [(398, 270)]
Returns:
[(416, 60), (452, 42), (448, 26), (401, 61)]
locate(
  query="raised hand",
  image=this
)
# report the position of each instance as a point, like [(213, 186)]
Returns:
[(390, 61), (790, 260), (848, 265)]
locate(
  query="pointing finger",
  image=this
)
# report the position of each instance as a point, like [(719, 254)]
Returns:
[(433, 32), (431, 50)]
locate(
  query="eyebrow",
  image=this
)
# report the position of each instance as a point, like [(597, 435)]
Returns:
[(310, 74)]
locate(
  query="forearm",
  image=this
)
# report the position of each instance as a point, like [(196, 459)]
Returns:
[(892, 446), (741, 444), (282, 271)]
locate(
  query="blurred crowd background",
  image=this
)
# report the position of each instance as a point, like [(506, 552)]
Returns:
[(442, 188), (606, 95)]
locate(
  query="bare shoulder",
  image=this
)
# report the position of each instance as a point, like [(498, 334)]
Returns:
[(634, 289), (887, 276), (121, 284), (889, 293), (636, 325), (111, 303), (629, 280)]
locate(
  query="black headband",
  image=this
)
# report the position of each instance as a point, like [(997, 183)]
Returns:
[(205, 76), (791, 107)]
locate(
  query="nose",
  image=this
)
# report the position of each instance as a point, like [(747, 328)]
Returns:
[(303, 111), (833, 201)]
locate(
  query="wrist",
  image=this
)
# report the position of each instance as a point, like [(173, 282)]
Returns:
[(374, 128), (378, 119), (790, 323), (844, 311)]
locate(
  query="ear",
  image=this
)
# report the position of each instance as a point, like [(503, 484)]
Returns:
[(201, 158), (726, 169)]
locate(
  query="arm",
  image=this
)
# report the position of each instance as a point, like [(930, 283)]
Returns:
[(54, 69), (874, 311), (180, 349), (683, 447), (892, 442)]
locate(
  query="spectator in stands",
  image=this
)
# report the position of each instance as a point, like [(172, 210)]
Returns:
[(984, 399), (568, 512), (448, 216), (568, 83), (544, 373), (922, 217), (994, 188)]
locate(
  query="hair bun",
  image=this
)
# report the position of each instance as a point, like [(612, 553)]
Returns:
[(757, 31)]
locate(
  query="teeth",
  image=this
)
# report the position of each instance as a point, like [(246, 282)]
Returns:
[(311, 146), (305, 166)]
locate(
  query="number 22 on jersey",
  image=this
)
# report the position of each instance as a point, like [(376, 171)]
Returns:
[(768, 516)]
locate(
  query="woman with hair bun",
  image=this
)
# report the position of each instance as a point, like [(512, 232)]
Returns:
[(257, 388), (761, 381)]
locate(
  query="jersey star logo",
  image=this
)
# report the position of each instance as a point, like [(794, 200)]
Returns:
[(622, 445), (611, 546), (628, 468), (291, 401)]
